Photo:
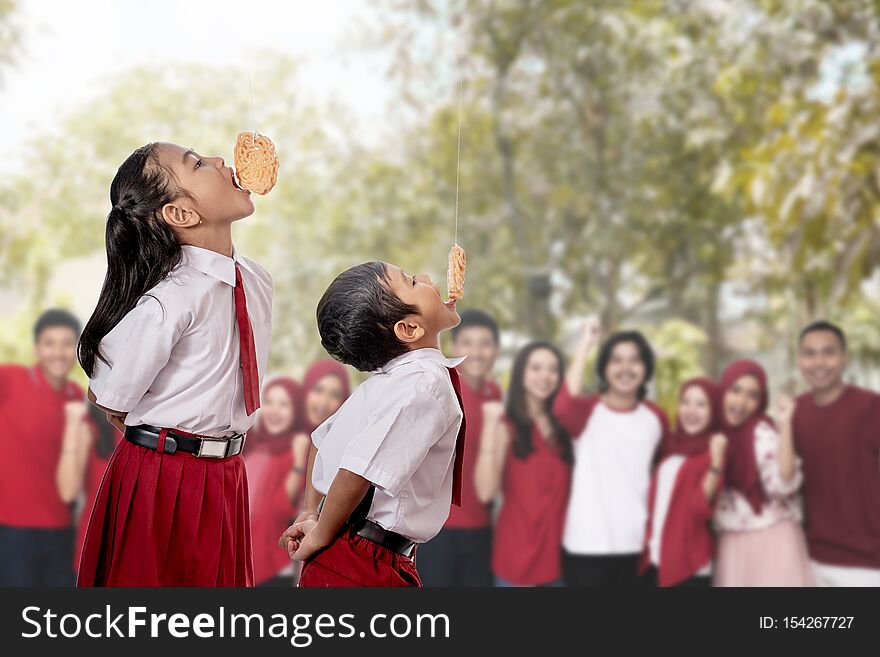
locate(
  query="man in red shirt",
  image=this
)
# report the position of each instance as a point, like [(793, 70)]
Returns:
[(38, 405), (460, 554), (837, 435)]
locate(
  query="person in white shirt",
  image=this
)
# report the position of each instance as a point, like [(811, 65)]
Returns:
[(617, 433), (388, 462), (175, 352)]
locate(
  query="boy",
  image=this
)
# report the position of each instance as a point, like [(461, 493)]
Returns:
[(460, 555), (388, 461), (836, 429), (41, 412)]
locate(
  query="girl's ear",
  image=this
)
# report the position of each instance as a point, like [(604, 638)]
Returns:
[(181, 214), (408, 330)]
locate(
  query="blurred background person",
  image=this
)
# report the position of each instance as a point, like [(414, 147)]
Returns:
[(837, 434), (273, 485), (460, 554), (679, 542), (527, 454), (761, 542), (617, 433), (42, 414), (326, 385), (98, 441)]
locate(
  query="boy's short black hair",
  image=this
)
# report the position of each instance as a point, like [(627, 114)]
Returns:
[(824, 325), (474, 317), (646, 354), (56, 317), (356, 318)]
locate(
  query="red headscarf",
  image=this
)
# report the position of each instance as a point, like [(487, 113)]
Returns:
[(317, 371), (741, 470), (687, 444), (260, 437)]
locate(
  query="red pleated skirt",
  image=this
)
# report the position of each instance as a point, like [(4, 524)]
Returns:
[(168, 520)]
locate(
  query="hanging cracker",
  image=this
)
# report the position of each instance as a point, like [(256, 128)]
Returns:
[(256, 163), (455, 273)]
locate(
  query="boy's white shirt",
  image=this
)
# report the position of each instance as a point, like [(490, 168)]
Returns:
[(174, 358), (398, 430)]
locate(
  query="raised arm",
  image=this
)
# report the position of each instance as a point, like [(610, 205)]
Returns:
[(786, 456), (75, 445), (589, 337), (494, 441)]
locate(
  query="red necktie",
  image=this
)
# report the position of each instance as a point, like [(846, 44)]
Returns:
[(459, 443), (246, 347)]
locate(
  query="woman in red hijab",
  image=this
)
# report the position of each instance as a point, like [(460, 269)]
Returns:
[(758, 515), (272, 489), (679, 543), (326, 387)]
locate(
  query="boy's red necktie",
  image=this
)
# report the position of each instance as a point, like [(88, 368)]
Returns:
[(246, 348), (459, 443)]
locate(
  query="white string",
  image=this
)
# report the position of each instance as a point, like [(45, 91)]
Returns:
[(253, 113), (460, 97)]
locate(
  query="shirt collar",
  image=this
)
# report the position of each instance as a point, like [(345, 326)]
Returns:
[(428, 354), (211, 263)]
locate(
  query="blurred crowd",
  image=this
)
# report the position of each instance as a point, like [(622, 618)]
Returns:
[(561, 487)]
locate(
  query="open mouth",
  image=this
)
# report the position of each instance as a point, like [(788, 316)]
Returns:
[(235, 183)]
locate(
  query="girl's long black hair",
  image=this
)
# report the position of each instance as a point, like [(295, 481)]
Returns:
[(141, 247), (517, 409)]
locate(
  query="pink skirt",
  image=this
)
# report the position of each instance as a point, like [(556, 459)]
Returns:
[(773, 556), (168, 520)]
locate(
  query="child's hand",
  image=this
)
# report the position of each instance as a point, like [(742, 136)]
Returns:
[(294, 533), (309, 544)]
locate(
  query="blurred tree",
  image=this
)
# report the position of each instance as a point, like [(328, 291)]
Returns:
[(10, 34)]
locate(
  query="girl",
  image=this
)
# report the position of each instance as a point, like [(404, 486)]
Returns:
[(617, 433), (272, 489), (679, 544), (174, 352), (758, 515), (528, 454)]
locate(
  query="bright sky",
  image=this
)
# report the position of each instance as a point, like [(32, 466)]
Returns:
[(73, 49)]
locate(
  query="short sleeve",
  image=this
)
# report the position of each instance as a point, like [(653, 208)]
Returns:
[(323, 429), (399, 434), (573, 411), (136, 350), (767, 455)]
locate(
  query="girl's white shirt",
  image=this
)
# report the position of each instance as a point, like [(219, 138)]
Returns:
[(173, 360)]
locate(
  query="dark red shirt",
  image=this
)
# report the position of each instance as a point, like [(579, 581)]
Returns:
[(472, 514), (32, 421), (528, 535), (839, 446)]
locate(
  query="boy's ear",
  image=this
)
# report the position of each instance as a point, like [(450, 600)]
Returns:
[(181, 214), (409, 330)]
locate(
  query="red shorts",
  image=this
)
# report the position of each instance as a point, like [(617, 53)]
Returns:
[(353, 560)]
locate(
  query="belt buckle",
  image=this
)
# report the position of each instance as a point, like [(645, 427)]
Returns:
[(213, 448)]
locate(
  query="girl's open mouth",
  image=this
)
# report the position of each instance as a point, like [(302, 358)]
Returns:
[(235, 182)]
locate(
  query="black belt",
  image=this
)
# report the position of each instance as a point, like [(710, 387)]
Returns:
[(391, 540), (357, 523), (202, 446)]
